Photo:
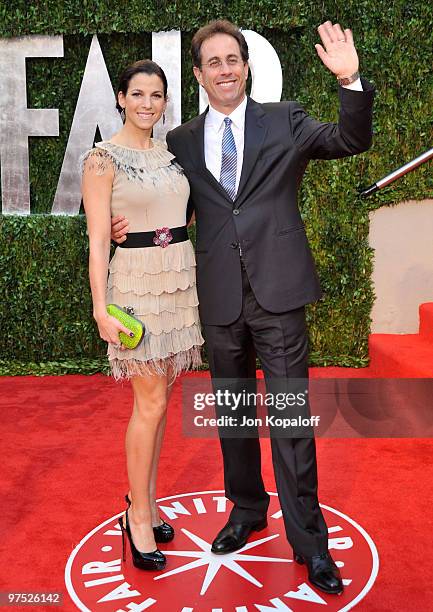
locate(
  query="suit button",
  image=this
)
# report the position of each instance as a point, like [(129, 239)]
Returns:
[(234, 245), (236, 211)]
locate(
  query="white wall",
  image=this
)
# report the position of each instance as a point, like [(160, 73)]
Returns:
[(402, 237)]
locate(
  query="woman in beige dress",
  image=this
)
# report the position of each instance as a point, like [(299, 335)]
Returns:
[(152, 274)]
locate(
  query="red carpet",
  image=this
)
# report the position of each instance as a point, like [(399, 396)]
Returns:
[(404, 355), (63, 473)]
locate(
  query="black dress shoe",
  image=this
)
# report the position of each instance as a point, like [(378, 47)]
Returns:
[(234, 536), (322, 572)]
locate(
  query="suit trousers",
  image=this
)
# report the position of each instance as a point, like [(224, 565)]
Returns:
[(281, 343)]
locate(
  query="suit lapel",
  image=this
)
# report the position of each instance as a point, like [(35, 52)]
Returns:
[(254, 135), (255, 132), (197, 131)]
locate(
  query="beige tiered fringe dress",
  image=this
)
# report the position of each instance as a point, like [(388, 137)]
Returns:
[(152, 192)]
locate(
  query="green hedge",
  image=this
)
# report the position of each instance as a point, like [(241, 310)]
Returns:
[(46, 315), (46, 308)]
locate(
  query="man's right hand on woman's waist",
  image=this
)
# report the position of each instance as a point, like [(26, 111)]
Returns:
[(119, 228)]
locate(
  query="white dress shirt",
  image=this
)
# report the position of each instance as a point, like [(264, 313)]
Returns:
[(213, 138), (213, 135)]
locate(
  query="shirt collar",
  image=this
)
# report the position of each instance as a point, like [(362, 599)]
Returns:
[(216, 119)]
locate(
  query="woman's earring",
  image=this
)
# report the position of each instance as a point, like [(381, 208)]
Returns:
[(123, 115), (163, 118)]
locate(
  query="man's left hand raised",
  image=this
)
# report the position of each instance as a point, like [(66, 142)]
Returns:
[(339, 54)]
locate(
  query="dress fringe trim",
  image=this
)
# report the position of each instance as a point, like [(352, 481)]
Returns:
[(156, 168), (156, 347), (171, 366)]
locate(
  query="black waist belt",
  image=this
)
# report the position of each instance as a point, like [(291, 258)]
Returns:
[(160, 237)]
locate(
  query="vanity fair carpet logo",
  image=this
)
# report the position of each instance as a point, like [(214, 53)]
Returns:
[(261, 576)]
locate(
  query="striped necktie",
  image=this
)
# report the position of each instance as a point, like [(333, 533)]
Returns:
[(228, 160)]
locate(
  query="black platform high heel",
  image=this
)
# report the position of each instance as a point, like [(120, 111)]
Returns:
[(147, 561), (163, 533)]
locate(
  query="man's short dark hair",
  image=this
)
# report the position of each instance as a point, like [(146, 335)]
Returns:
[(220, 26)]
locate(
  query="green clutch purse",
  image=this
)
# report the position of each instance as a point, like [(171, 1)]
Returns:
[(125, 317)]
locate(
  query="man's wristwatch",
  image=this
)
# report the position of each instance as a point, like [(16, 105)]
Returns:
[(348, 80)]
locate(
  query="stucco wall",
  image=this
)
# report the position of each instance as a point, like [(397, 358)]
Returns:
[(402, 237)]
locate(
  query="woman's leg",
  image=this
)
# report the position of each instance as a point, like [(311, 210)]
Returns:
[(150, 403), (153, 478), (154, 471)]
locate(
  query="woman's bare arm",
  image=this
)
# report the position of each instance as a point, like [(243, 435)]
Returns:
[(97, 190)]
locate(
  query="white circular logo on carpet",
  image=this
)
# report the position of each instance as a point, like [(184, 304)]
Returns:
[(261, 576)]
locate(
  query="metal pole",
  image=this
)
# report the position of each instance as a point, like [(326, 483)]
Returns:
[(390, 178)]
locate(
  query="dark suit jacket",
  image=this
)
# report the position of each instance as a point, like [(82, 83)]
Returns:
[(264, 219)]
